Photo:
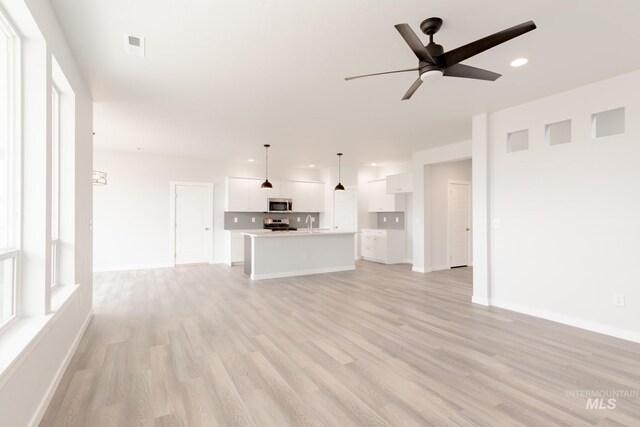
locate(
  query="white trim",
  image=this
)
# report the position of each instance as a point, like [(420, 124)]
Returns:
[(469, 219), (420, 270), (44, 403), (172, 218), (480, 300), (25, 334), (440, 267), (600, 328), (301, 272), (133, 267)]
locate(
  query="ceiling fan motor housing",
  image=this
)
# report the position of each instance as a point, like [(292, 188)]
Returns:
[(428, 66)]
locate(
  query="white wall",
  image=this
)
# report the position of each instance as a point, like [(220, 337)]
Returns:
[(570, 231), (132, 212), (438, 206), (26, 389)]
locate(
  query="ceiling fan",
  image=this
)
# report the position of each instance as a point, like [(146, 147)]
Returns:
[(434, 61)]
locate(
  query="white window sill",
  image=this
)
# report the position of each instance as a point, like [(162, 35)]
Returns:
[(22, 336)]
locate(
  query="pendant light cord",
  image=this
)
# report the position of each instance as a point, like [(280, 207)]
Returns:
[(266, 165)]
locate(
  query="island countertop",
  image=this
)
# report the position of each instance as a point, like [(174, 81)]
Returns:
[(295, 233)]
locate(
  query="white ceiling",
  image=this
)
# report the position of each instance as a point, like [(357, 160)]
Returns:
[(222, 77)]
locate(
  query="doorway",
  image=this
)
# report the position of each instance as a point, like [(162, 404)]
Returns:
[(459, 223), (192, 230)]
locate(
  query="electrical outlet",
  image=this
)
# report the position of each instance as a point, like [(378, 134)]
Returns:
[(397, 219), (313, 219), (496, 223), (384, 219), (235, 219), (253, 219), (618, 299), (298, 219)]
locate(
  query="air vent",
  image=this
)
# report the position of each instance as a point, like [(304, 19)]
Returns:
[(134, 45)]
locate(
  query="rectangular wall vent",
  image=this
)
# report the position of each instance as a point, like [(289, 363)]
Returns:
[(518, 141), (607, 123), (558, 132), (134, 45)]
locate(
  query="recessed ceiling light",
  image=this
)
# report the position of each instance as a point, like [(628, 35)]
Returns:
[(519, 62), (251, 160), (312, 166), (374, 164)]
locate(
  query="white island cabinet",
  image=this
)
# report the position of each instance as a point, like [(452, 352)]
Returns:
[(269, 254)]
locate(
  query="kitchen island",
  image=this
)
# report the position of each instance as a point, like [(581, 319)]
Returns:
[(272, 254)]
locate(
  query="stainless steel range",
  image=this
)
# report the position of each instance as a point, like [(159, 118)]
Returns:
[(277, 224)]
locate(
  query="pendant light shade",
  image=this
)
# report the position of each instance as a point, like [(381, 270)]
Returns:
[(266, 184), (339, 187)]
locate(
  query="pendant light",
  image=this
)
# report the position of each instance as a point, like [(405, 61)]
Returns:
[(339, 187), (266, 184)]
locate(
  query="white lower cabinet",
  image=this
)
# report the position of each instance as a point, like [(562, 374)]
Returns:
[(386, 246), (234, 246)]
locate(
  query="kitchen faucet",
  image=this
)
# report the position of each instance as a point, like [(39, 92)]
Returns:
[(309, 220)]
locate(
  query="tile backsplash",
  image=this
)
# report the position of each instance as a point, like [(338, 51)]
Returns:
[(253, 220), (390, 220)]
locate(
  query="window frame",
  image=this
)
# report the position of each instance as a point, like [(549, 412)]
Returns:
[(55, 182), (14, 161)]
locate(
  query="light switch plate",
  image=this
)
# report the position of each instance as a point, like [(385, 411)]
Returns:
[(384, 219), (235, 219), (253, 219)]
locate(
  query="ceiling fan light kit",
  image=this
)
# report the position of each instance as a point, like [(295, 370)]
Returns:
[(433, 61)]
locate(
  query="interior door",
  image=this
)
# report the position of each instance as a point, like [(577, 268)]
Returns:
[(193, 225), (345, 213), (459, 224)]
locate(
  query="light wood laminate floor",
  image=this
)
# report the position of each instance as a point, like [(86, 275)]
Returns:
[(204, 346)]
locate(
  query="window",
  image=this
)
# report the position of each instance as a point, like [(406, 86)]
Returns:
[(607, 123), (55, 183), (518, 141), (558, 133), (9, 188)]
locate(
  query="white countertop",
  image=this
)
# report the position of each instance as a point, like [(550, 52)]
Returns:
[(303, 232)]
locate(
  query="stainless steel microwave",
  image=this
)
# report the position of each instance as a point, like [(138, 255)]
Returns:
[(280, 205)]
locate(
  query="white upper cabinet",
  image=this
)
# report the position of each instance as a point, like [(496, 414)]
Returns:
[(401, 183), (307, 196), (380, 201), (236, 196), (245, 195), (281, 190), (257, 197)]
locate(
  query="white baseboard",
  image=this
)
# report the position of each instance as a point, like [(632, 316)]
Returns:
[(44, 404), (420, 269), (480, 300), (440, 267), (302, 272), (132, 267), (600, 328)]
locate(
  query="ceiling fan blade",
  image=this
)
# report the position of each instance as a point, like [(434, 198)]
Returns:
[(412, 89), (379, 74), (468, 72), (414, 42), (467, 51)]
